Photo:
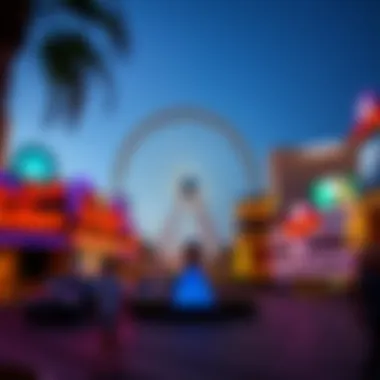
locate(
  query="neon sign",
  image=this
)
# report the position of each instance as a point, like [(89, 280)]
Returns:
[(29, 220), (32, 207), (37, 208), (98, 216)]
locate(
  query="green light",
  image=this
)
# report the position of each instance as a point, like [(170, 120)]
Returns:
[(34, 163), (324, 194), (329, 192)]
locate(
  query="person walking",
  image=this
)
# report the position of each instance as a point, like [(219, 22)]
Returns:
[(110, 296)]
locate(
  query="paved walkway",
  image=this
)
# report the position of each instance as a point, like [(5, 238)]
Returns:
[(291, 338)]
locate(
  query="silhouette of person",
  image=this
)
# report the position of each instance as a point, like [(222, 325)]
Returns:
[(109, 296)]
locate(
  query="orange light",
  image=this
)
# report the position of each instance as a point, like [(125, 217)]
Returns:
[(24, 214), (303, 227), (29, 220), (99, 216)]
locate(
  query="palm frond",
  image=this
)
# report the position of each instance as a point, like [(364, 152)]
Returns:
[(111, 22), (67, 101), (67, 59)]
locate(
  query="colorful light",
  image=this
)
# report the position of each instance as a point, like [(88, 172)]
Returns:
[(34, 163), (301, 222), (324, 194), (193, 290), (347, 189), (368, 162), (243, 260), (329, 192), (365, 107), (367, 117)]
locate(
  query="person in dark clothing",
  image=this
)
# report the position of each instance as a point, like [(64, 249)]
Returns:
[(109, 295), (369, 291)]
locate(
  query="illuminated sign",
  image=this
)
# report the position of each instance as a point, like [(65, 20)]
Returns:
[(97, 216), (101, 227), (32, 207), (37, 208), (29, 220)]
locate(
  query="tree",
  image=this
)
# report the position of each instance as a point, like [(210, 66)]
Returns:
[(67, 56)]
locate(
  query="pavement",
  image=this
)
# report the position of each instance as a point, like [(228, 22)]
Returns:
[(291, 338)]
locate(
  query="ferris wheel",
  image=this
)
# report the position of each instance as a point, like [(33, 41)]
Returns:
[(189, 194)]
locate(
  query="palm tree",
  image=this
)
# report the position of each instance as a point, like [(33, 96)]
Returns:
[(67, 56)]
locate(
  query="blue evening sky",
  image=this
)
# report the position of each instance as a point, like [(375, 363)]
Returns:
[(282, 71)]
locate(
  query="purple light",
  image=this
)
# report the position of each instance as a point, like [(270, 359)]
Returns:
[(119, 204), (8, 180), (365, 104), (16, 238), (76, 191)]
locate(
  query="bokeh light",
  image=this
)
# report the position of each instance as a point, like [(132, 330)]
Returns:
[(330, 192), (368, 162), (365, 106), (193, 290), (34, 163)]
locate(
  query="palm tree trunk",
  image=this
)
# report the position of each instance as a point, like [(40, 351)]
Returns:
[(14, 18)]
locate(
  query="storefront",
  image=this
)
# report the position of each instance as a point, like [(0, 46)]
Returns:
[(251, 257), (45, 228), (34, 234), (101, 230), (364, 139), (310, 173)]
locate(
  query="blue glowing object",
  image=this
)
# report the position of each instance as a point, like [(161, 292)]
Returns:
[(34, 163), (193, 290)]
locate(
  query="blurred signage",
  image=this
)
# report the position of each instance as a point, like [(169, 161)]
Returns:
[(32, 207), (99, 217)]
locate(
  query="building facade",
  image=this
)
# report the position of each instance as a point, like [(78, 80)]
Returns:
[(47, 229), (293, 170)]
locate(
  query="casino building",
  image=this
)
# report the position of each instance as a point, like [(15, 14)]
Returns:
[(340, 184), (300, 174)]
